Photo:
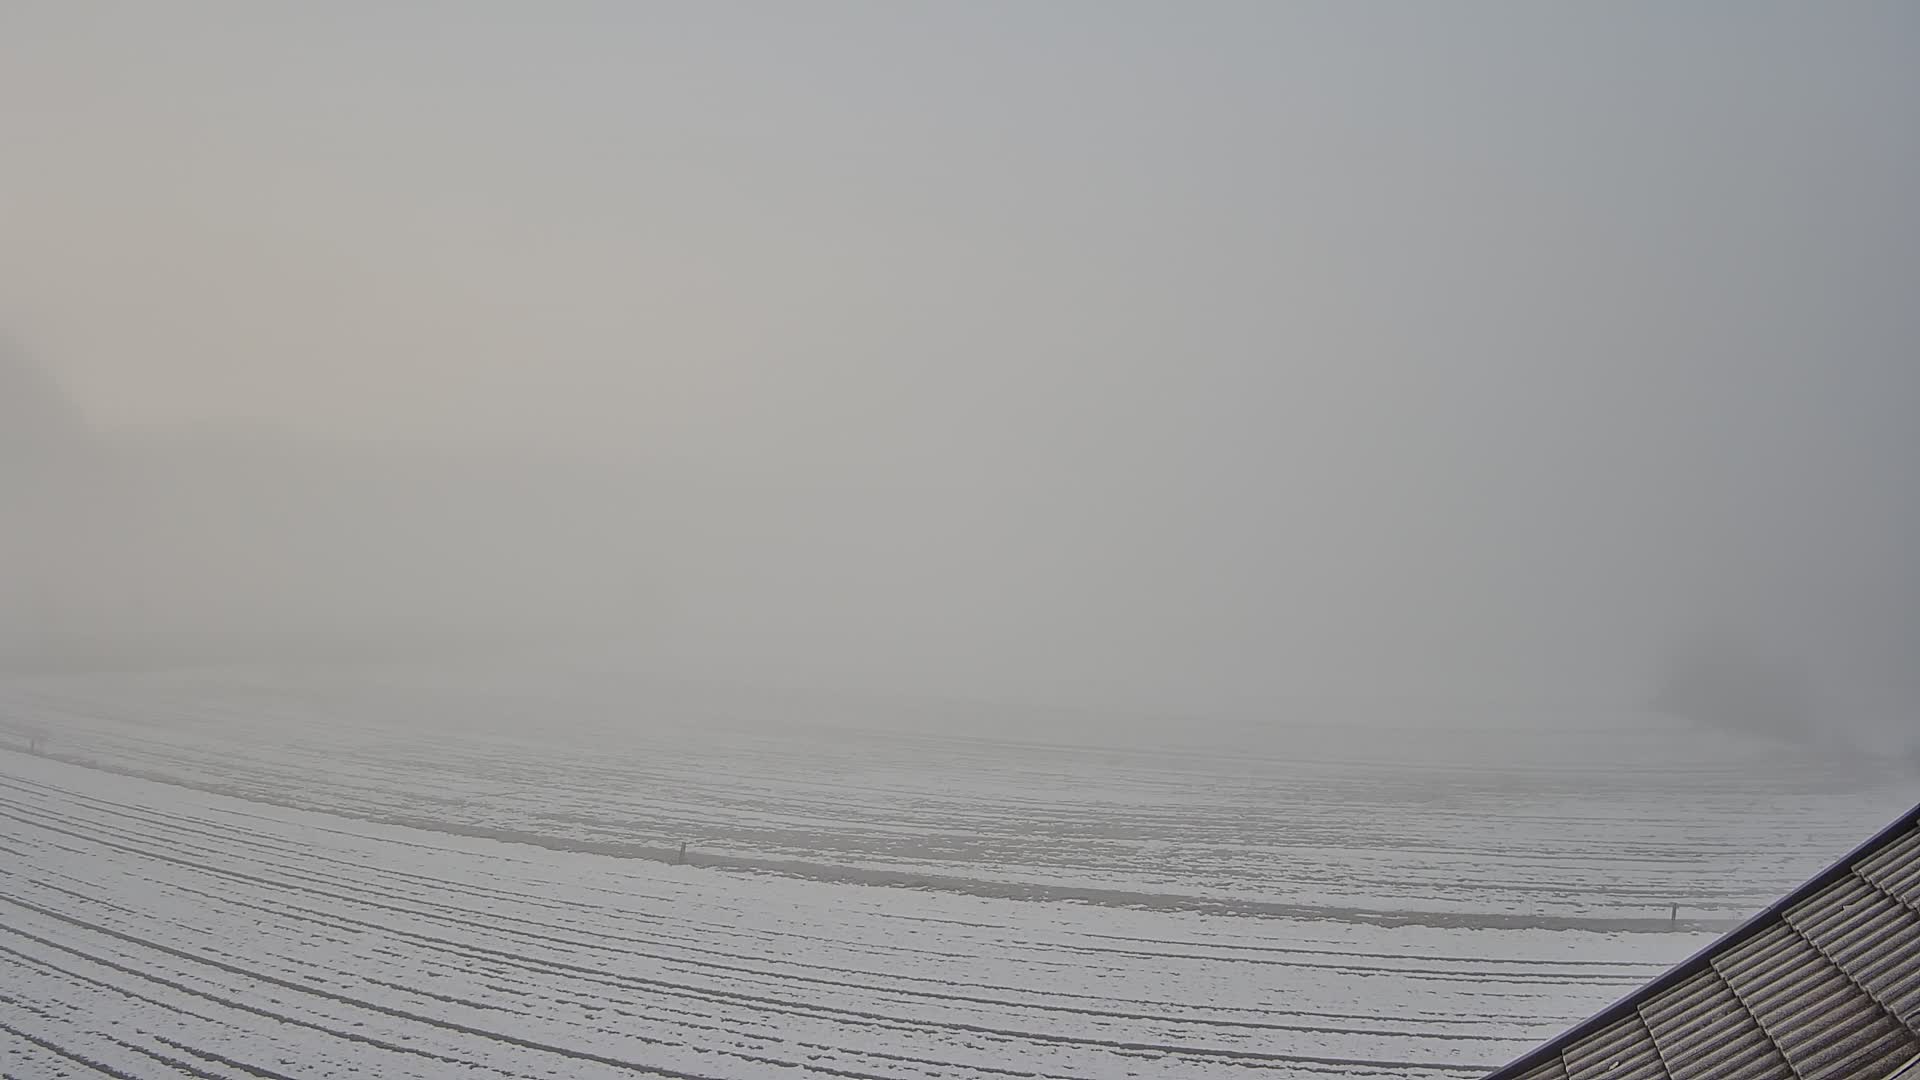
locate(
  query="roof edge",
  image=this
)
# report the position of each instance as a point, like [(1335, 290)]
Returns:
[(1692, 965)]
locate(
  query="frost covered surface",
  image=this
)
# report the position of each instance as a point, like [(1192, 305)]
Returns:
[(1508, 823), (229, 873), (163, 931)]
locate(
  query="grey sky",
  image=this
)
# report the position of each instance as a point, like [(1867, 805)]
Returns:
[(1183, 353)]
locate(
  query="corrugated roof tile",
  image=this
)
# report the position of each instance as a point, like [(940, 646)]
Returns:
[(1624, 1051), (1825, 985), (1703, 1032), (1872, 937), (1896, 868), (1825, 1024)]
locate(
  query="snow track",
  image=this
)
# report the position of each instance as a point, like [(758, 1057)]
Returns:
[(154, 930), (1524, 825)]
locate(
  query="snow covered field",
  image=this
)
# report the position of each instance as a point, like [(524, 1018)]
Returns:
[(1505, 821), (308, 893)]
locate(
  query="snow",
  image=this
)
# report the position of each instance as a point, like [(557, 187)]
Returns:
[(147, 922), (240, 908)]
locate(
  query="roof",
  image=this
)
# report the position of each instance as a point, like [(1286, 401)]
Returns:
[(1823, 985)]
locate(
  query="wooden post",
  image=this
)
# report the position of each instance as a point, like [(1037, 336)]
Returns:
[(682, 860), (1673, 916)]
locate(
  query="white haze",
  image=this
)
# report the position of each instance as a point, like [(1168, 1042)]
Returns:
[(1166, 357)]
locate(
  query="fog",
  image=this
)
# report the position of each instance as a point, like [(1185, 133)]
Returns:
[(1186, 359)]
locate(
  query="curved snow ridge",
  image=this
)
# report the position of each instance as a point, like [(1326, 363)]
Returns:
[(954, 883), (1550, 827), (151, 930)]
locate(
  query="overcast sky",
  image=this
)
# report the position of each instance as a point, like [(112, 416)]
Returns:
[(1182, 353)]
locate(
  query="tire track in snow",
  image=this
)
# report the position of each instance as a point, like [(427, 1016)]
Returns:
[(1046, 1037), (945, 880), (1549, 978), (62, 1052), (327, 917), (464, 917), (400, 1014), (227, 1002), (209, 849)]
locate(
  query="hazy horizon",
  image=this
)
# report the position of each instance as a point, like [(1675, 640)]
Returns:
[(1127, 355)]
